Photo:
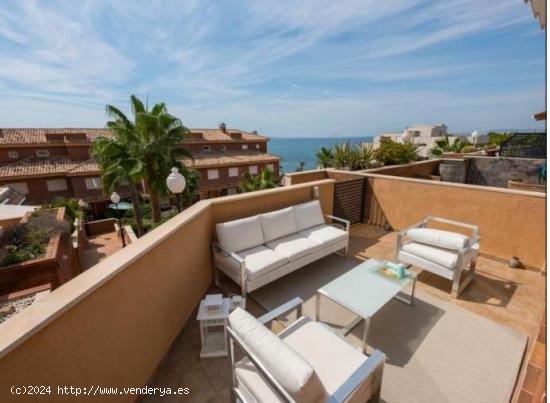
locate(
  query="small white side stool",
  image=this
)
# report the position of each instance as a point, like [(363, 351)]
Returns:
[(213, 324)]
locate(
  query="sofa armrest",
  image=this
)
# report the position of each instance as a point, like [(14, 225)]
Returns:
[(218, 247), (343, 221), (372, 367), (291, 305)]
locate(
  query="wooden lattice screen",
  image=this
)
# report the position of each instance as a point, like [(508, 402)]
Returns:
[(349, 199)]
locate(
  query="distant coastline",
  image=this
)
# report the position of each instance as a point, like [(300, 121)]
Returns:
[(292, 150)]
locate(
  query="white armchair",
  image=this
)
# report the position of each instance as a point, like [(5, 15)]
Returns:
[(446, 254), (305, 363)]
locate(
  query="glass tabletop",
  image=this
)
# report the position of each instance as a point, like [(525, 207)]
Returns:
[(365, 288)]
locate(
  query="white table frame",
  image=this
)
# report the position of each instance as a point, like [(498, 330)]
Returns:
[(360, 317)]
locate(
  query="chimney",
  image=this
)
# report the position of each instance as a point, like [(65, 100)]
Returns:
[(222, 127)]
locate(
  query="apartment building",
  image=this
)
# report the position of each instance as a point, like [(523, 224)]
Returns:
[(42, 164), (223, 155), (425, 137)]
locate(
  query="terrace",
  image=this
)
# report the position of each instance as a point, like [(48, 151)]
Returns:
[(130, 319)]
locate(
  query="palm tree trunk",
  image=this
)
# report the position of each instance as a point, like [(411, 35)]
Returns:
[(155, 208), (137, 208)]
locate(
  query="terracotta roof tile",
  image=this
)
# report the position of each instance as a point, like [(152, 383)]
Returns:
[(50, 135), (206, 159), (40, 136), (36, 166)]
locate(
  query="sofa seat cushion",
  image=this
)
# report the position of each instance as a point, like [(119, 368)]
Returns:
[(308, 215), (438, 238), (294, 246), (441, 256), (333, 359), (289, 368), (258, 261), (278, 224), (325, 234), (240, 234)]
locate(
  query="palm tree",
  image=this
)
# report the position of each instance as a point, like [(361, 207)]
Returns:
[(364, 155), (324, 157), (118, 166), (445, 145), (192, 184), (145, 149), (257, 182)]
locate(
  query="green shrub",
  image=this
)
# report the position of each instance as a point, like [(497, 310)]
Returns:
[(28, 240), (392, 153), (469, 149), (497, 138)]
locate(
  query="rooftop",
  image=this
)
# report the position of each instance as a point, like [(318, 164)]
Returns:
[(28, 136), (211, 159), (53, 165), (131, 317)]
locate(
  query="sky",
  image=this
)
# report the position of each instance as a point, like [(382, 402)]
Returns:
[(284, 68)]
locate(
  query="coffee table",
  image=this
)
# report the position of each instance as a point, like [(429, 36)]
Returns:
[(364, 290)]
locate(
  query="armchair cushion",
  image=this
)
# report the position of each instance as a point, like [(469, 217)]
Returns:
[(240, 234), (294, 246), (308, 215), (325, 234), (439, 238), (277, 224), (441, 256), (288, 367), (258, 261)]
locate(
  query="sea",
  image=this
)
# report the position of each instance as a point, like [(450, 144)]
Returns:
[(292, 150)]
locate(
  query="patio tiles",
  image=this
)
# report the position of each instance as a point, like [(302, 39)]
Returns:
[(513, 297)]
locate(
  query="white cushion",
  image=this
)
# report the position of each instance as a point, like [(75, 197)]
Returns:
[(279, 223), (290, 369), (441, 256), (308, 215), (294, 246), (439, 238), (258, 261), (334, 361), (240, 234), (325, 234)]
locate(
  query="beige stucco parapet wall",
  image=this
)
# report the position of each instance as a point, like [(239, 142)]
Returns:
[(511, 222), (113, 324)]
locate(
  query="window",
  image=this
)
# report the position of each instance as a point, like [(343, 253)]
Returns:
[(224, 148), (42, 153), (244, 146), (270, 167), (93, 183), (233, 172), (56, 185), (13, 154), (257, 146), (253, 169), (206, 148), (213, 174), (20, 187), (231, 191)]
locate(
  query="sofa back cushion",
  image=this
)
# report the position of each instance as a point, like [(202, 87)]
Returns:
[(239, 235), (290, 369), (308, 215), (439, 238), (279, 223)]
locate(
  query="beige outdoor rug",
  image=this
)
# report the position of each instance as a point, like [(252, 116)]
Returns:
[(436, 352)]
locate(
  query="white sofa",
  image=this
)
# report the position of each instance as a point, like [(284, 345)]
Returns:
[(305, 363), (257, 250)]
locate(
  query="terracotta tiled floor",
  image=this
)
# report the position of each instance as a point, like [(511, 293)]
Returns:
[(513, 297), (99, 247)]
